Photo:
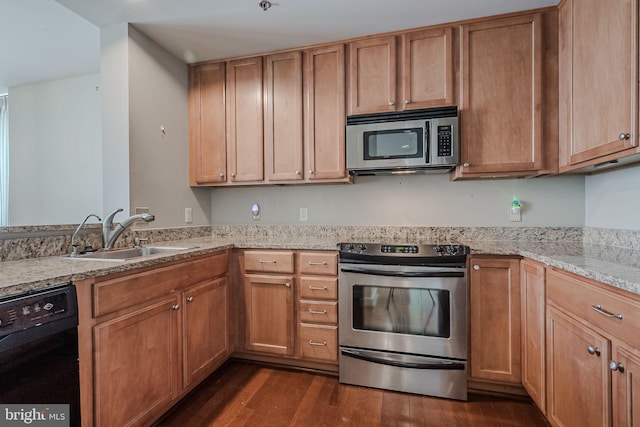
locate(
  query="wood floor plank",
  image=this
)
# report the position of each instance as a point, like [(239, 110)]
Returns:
[(246, 394)]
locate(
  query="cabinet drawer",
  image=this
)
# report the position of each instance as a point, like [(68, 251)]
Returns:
[(126, 291), (319, 287), (318, 311), (318, 342), (582, 298), (269, 261), (325, 263)]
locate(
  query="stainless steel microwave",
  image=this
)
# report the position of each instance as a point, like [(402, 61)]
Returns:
[(400, 142)]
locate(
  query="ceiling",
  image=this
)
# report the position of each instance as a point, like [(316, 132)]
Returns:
[(50, 39)]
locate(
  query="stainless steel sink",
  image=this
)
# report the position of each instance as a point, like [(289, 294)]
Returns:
[(126, 254)]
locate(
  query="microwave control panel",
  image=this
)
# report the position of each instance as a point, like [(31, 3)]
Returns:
[(444, 141)]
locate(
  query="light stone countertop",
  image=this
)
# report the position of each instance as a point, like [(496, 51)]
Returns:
[(614, 266)]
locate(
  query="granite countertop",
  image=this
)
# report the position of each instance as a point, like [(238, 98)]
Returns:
[(613, 266)]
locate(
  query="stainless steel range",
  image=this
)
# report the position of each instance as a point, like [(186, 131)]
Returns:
[(403, 318)]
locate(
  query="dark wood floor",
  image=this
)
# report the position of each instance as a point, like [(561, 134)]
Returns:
[(244, 394)]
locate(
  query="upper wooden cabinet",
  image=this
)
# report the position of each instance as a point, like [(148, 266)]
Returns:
[(207, 127), (324, 97), (423, 79), (598, 81), (507, 128), (245, 120), (283, 116)]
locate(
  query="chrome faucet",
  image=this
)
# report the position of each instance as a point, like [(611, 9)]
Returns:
[(111, 231), (74, 246)]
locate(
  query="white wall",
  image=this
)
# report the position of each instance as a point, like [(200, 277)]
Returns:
[(55, 152), (430, 200), (114, 71), (612, 199), (159, 163)]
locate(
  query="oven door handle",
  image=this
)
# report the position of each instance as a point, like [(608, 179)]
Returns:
[(403, 273), (444, 365)]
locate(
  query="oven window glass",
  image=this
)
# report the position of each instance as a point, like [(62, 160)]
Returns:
[(414, 311), (393, 144)]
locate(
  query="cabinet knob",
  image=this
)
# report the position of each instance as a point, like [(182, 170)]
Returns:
[(624, 136), (175, 307), (476, 267), (189, 299), (391, 103), (311, 171), (287, 285), (407, 101), (233, 175), (465, 165), (593, 351), (221, 175), (297, 172), (616, 366)]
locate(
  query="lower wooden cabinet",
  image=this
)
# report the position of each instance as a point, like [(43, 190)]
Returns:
[(136, 361), (205, 329), (269, 314), (147, 338), (533, 294), (578, 373), (495, 319), (626, 386)]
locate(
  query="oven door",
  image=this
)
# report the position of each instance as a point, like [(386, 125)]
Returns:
[(404, 309)]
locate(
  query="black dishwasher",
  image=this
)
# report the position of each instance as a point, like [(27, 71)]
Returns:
[(39, 350)]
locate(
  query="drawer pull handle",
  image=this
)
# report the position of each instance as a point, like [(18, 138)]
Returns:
[(318, 263), (189, 299), (616, 366), (317, 288), (317, 311), (598, 308), (593, 351), (175, 307), (267, 261), (322, 344)]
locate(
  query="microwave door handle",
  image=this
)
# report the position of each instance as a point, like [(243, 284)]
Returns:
[(403, 273), (444, 365)]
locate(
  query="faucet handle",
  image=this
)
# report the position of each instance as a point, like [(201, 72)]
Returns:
[(137, 241)]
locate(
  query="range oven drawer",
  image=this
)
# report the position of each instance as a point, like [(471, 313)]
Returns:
[(407, 373)]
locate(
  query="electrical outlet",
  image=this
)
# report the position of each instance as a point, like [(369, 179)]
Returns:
[(515, 215), (304, 214), (141, 211), (188, 215)]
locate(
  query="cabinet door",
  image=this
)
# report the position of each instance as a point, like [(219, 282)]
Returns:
[(325, 113), (578, 378), (207, 148), (269, 314), (532, 288), (495, 319), (626, 387), (136, 365), (600, 71), (245, 120), (372, 75), (501, 113), (283, 116), (427, 68), (205, 326)]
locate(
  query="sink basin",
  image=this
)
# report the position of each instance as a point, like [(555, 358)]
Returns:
[(125, 254)]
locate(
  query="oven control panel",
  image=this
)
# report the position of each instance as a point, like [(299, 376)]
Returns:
[(425, 251)]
